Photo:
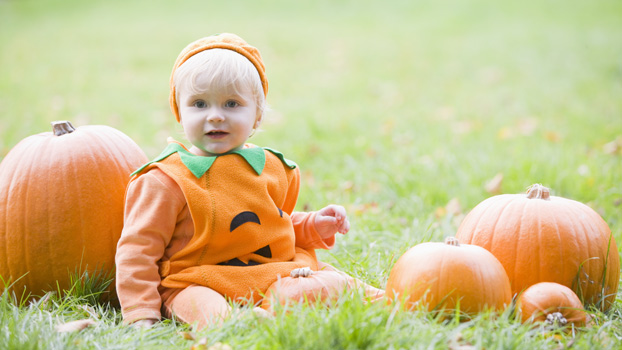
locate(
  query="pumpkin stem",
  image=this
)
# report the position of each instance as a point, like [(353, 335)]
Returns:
[(452, 241), (537, 191), (62, 127), (301, 272), (556, 319)]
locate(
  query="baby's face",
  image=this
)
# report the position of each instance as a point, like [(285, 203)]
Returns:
[(217, 121)]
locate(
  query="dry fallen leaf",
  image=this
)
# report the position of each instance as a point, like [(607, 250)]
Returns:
[(552, 136), (457, 342), (220, 346), (374, 187), (462, 127), (453, 207), (187, 335), (359, 209), (490, 75), (440, 212), (388, 126), (314, 149), (494, 185), (583, 170), (527, 126), (308, 177), (445, 113), (505, 133), (613, 147), (347, 186), (200, 345), (524, 127), (74, 326), (44, 302), (461, 347), (371, 152), (90, 310)]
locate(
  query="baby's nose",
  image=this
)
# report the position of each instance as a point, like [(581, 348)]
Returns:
[(215, 117)]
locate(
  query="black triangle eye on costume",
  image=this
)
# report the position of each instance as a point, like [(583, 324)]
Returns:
[(242, 218), (247, 216)]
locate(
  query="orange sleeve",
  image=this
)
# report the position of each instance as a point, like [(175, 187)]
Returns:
[(152, 204), (293, 181), (307, 236)]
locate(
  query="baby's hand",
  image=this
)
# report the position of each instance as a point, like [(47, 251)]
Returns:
[(331, 219)]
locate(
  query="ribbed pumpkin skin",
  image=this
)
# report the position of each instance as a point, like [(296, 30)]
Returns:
[(61, 204), (326, 286), (540, 240), (543, 298), (439, 275)]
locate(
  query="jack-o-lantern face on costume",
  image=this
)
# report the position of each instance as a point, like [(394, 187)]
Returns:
[(248, 217), (240, 204)]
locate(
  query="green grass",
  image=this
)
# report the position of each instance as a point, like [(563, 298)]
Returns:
[(390, 108)]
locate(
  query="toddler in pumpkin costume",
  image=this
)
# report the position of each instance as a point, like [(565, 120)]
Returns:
[(216, 222)]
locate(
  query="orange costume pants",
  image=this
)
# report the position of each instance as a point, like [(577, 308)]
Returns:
[(202, 306)]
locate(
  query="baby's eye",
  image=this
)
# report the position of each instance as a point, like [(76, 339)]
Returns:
[(231, 104), (200, 104)]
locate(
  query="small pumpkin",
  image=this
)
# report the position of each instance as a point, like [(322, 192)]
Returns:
[(543, 238), (449, 275), (61, 204), (305, 286), (551, 303)]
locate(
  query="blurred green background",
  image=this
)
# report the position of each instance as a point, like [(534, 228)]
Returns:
[(407, 112), (402, 111)]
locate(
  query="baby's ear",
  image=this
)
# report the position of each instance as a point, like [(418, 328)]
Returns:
[(258, 120)]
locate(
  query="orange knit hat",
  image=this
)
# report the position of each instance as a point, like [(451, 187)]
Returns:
[(219, 41)]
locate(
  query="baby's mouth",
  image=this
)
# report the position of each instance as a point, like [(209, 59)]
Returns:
[(217, 133)]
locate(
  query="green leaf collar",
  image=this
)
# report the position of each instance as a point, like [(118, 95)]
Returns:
[(199, 165)]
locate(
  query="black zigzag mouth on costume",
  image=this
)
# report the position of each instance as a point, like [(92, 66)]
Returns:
[(266, 252)]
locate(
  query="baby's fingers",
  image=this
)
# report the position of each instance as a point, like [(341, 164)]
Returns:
[(344, 227)]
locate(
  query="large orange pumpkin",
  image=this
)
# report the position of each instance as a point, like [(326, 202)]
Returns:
[(552, 303), (61, 204), (543, 238), (449, 275)]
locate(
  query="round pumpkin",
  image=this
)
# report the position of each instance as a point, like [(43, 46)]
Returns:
[(305, 286), (551, 303), (61, 204), (447, 276), (543, 238)]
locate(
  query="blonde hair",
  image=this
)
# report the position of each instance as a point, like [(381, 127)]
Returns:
[(222, 68)]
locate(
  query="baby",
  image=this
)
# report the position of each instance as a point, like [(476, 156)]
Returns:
[(215, 222)]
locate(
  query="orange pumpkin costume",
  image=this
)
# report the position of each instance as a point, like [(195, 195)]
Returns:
[(242, 233), (239, 245)]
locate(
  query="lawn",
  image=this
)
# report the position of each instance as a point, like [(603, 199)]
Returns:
[(402, 111)]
